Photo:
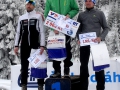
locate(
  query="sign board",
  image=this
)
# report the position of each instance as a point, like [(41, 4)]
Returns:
[(87, 38), (57, 22)]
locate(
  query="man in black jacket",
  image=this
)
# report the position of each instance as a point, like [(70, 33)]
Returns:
[(30, 33)]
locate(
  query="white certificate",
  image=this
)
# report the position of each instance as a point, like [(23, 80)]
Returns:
[(87, 38), (36, 59)]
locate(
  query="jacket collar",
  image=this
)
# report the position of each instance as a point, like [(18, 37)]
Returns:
[(32, 12), (90, 10)]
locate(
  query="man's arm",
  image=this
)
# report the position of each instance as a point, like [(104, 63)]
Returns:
[(104, 26), (18, 33), (41, 32), (47, 8), (80, 27), (74, 8), (18, 37)]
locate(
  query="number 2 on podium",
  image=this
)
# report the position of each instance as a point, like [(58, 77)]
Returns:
[(56, 86)]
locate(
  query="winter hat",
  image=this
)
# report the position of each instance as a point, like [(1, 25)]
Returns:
[(30, 1), (94, 1)]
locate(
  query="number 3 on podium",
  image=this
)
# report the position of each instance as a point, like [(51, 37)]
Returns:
[(56, 86)]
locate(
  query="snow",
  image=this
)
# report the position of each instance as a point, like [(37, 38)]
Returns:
[(5, 84)]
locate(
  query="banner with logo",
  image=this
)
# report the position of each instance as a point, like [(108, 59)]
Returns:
[(112, 76), (58, 22)]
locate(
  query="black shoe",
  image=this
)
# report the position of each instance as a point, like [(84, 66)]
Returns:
[(66, 72), (24, 87), (56, 75), (40, 86), (67, 76)]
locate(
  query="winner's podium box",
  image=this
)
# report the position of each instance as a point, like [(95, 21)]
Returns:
[(62, 83), (75, 82)]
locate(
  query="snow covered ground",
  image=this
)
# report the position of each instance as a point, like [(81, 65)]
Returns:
[(5, 84)]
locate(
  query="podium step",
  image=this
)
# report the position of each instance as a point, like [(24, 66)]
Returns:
[(62, 83), (75, 82)]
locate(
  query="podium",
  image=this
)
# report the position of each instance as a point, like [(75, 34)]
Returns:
[(62, 83), (75, 82)]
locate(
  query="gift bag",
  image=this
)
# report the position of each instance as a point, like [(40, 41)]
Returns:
[(41, 70), (56, 47), (100, 56)]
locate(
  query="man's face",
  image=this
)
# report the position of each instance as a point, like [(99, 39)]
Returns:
[(89, 4), (29, 7)]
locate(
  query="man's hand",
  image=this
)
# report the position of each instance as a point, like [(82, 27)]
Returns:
[(56, 32), (16, 50), (78, 42), (98, 39), (67, 16), (41, 50)]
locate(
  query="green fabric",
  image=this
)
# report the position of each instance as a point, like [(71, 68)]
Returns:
[(64, 7)]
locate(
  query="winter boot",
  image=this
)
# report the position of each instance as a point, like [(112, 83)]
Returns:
[(66, 72), (24, 87), (56, 75), (40, 86)]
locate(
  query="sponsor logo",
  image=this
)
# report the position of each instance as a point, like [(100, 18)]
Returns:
[(56, 41), (75, 23), (25, 21), (110, 77), (54, 14), (70, 32)]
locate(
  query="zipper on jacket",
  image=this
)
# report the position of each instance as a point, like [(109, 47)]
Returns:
[(28, 32), (38, 32)]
